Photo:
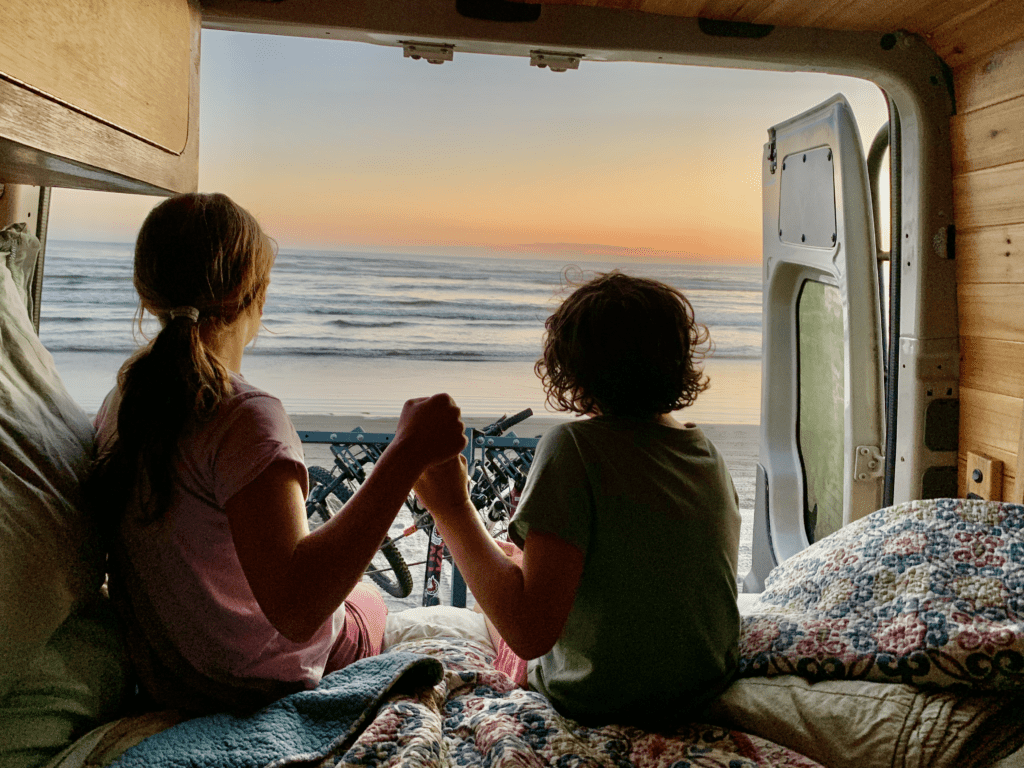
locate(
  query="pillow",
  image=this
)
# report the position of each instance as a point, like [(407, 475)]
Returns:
[(51, 557), (856, 723), (435, 621), (21, 252), (925, 592)]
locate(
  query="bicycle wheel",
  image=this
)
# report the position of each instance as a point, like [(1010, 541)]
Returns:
[(388, 569)]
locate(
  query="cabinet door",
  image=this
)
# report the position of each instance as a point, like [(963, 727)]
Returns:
[(820, 459)]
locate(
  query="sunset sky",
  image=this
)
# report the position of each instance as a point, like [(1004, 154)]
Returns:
[(339, 145)]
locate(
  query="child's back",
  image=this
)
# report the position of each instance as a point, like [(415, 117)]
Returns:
[(654, 626), (625, 595)]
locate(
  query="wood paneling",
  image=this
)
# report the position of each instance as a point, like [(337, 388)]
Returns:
[(988, 158), (960, 31), (992, 365), (990, 197), (990, 255), (990, 424), (142, 48), (989, 137), (979, 30), (990, 80), (991, 310)]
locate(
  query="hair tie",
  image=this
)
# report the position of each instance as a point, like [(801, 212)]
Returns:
[(190, 312)]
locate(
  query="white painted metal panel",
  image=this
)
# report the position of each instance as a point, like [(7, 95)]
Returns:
[(819, 262)]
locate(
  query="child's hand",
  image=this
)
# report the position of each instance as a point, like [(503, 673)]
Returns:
[(430, 430), (444, 487)]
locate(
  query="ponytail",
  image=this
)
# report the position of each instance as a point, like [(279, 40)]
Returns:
[(201, 261)]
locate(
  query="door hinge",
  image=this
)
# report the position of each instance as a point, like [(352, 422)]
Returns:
[(556, 62), (772, 157), (869, 464), (435, 53)]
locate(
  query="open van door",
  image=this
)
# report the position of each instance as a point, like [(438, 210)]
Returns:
[(821, 453)]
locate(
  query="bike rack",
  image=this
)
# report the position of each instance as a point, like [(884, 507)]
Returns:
[(477, 444)]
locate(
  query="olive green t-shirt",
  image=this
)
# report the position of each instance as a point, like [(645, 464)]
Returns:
[(653, 632)]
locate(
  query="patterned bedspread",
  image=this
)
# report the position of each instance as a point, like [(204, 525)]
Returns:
[(477, 717)]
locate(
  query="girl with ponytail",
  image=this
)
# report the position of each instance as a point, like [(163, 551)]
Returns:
[(228, 600)]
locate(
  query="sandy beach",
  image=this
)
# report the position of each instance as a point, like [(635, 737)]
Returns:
[(736, 442)]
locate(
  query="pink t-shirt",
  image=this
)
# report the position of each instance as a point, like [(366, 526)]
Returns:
[(185, 564)]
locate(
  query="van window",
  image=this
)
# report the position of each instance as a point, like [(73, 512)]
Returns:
[(820, 431)]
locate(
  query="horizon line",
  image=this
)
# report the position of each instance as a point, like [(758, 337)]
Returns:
[(545, 251)]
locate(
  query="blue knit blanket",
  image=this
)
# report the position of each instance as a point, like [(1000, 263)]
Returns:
[(300, 728)]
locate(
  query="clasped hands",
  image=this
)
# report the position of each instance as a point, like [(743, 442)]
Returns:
[(432, 432)]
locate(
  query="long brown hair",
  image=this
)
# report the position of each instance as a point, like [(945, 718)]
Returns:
[(199, 251)]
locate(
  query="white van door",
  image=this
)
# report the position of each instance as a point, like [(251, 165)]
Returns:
[(821, 455)]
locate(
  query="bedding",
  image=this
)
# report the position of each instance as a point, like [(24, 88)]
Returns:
[(474, 715), (929, 593), (858, 723), (309, 726), (62, 666)]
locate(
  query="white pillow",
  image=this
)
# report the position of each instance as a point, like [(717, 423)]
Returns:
[(50, 552), (435, 621)]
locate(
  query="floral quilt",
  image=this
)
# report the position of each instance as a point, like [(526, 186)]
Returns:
[(927, 592), (477, 716)]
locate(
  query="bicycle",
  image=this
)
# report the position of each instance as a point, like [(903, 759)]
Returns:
[(497, 465)]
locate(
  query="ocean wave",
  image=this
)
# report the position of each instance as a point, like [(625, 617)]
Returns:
[(268, 348), (467, 314), (419, 353), (357, 305), (369, 323)]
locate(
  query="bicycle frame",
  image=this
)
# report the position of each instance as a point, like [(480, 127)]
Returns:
[(485, 454)]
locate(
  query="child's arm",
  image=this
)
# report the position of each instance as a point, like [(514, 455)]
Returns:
[(528, 605), (300, 578)]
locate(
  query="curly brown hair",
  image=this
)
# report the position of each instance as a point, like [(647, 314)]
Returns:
[(623, 345)]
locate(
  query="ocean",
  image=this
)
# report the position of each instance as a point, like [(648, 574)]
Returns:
[(358, 333)]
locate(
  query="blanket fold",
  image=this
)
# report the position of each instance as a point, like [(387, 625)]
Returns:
[(301, 728)]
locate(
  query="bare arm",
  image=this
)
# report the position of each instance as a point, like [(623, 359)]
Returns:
[(528, 605), (300, 578)]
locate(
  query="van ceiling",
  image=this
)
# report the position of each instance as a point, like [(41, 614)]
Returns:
[(958, 30)]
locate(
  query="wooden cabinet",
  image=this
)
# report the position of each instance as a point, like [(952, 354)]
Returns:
[(101, 95)]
